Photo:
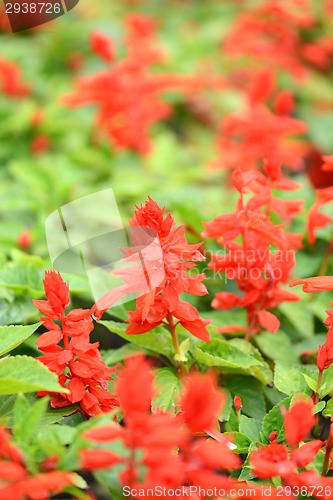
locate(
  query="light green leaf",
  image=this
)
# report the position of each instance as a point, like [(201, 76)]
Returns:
[(13, 336), (158, 340), (27, 417), (263, 372), (222, 353), (289, 378), (26, 374), (319, 406), (168, 389)]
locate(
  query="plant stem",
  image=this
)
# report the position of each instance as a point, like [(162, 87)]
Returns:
[(316, 396), (174, 336), (329, 447)]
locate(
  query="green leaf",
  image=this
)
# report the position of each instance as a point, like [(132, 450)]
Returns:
[(222, 353), (158, 340), (263, 372), (22, 277), (319, 406), (250, 391), (225, 413), (326, 386), (299, 316), (312, 383), (18, 310), (289, 379), (27, 417), (13, 336), (240, 440), (276, 346), (25, 374), (328, 412), (168, 389), (273, 421), (250, 427)]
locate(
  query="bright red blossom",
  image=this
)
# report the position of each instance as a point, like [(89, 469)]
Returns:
[(167, 260), (78, 364)]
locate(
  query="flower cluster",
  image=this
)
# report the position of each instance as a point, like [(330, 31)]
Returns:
[(15, 481), (276, 459), (274, 37), (78, 362), (151, 440), (259, 131), (129, 96), (163, 266), (247, 235)]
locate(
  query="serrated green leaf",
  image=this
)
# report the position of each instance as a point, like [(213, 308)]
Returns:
[(222, 353), (12, 336), (289, 378), (168, 389), (273, 421), (261, 372), (250, 427), (25, 374)]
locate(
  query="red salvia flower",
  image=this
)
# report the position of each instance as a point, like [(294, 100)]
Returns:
[(247, 236), (78, 364), (164, 444), (165, 269), (276, 459), (129, 95)]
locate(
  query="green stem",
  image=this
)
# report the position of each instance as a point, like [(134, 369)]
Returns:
[(174, 336)]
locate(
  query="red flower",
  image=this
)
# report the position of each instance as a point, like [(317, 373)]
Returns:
[(166, 261), (247, 236), (162, 449), (102, 46), (78, 365), (11, 80), (129, 95), (315, 284)]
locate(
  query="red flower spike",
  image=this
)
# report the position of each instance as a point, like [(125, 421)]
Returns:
[(78, 365), (247, 237), (165, 266)]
